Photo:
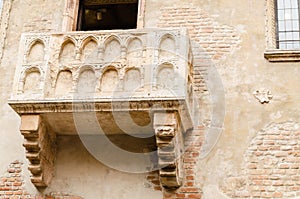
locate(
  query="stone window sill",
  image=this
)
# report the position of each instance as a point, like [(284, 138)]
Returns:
[(282, 55)]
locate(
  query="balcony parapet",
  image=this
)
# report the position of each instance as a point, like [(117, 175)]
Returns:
[(144, 63)]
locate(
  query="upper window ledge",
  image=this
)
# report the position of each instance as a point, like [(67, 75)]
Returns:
[(282, 55)]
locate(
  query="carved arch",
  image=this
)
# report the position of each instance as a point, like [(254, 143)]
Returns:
[(167, 46), (113, 49), (62, 68), (69, 38), (164, 65), (165, 36), (111, 38), (166, 76), (87, 39), (135, 51), (86, 79), (30, 69), (64, 54), (64, 82), (83, 68), (109, 79), (26, 74), (129, 40), (89, 48), (30, 49), (134, 42), (132, 79)]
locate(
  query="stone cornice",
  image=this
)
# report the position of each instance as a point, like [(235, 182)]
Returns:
[(46, 106), (75, 106), (282, 55)]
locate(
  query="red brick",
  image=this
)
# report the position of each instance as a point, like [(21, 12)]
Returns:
[(194, 196), (189, 184), (8, 193), (189, 190), (19, 192), (189, 177), (180, 195), (277, 195), (17, 183), (5, 188)]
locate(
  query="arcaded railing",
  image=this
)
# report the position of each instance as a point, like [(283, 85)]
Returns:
[(151, 63)]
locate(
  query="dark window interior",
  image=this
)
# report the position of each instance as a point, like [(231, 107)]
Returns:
[(107, 14)]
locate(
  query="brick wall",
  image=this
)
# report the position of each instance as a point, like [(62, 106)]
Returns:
[(153, 181), (211, 41), (272, 164), (12, 186), (190, 188)]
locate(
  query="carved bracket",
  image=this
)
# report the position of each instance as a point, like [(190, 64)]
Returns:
[(40, 149), (170, 147)]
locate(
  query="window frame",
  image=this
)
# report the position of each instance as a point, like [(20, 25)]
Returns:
[(280, 41), (71, 10), (272, 53)]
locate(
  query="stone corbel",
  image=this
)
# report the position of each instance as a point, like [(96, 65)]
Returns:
[(40, 149), (169, 148)]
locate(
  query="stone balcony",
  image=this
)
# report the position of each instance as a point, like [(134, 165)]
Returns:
[(144, 72)]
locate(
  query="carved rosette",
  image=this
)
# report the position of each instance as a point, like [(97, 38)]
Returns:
[(170, 146), (40, 149)]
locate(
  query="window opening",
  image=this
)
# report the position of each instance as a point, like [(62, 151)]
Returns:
[(288, 23)]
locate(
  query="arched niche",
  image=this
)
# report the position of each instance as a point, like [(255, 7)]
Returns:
[(112, 50), (67, 52), (166, 76), (32, 81), (134, 52), (36, 52), (90, 50), (132, 80), (64, 83), (109, 80), (167, 47), (86, 82)]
